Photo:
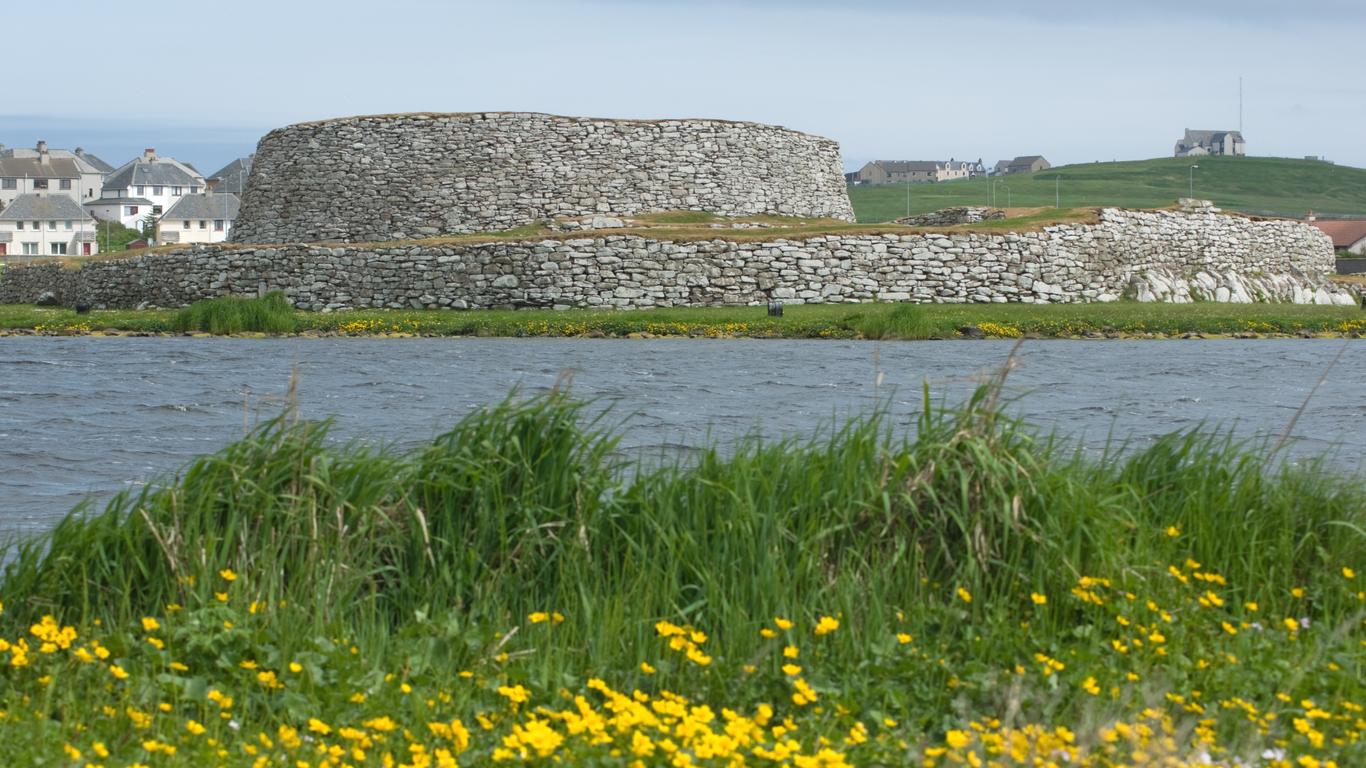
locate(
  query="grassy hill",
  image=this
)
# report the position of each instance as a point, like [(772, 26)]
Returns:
[(1268, 185)]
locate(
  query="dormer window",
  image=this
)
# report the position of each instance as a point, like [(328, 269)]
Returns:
[(40, 183)]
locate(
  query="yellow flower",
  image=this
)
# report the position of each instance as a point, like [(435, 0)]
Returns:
[(1173, 531), (1038, 599), (646, 668), (1090, 686), (1297, 592), (195, 728), (791, 652), (150, 624), (538, 617), (826, 625), (118, 672), (964, 595), (221, 597), (227, 574), (515, 694), (903, 638), (295, 667), (958, 739), (782, 623), (1348, 573)]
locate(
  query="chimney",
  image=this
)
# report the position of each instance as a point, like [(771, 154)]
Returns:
[(149, 154), (42, 147), (1311, 217), (43, 156)]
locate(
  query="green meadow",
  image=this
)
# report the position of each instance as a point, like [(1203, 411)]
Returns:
[(1264, 185)]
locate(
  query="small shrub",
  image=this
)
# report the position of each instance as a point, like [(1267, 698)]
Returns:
[(232, 314)]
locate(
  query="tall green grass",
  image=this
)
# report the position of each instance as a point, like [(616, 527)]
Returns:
[(523, 507), (232, 314)]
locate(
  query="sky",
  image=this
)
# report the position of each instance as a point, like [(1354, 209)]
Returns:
[(1074, 81)]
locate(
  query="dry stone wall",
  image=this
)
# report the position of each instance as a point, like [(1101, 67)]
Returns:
[(1151, 256), (401, 177)]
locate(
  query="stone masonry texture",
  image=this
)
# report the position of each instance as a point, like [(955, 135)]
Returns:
[(399, 177), (1146, 255)]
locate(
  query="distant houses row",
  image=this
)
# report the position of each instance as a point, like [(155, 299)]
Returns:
[(933, 171), (52, 200)]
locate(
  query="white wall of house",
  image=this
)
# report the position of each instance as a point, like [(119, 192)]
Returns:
[(128, 214), (45, 239), (161, 197), (72, 188), (193, 230)]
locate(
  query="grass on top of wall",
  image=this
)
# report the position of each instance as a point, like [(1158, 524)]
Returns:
[(889, 598)]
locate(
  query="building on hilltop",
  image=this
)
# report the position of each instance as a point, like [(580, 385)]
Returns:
[(205, 218), (1202, 143), (1021, 164), (45, 171), (917, 171), (232, 178), (39, 226), (145, 186)]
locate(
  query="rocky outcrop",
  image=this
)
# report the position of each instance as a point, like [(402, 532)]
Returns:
[(412, 176), (1146, 255)]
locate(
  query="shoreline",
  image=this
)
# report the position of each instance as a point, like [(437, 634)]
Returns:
[(871, 322)]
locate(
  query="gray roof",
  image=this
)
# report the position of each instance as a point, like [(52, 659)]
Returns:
[(43, 207), (233, 176), (34, 168), (161, 172), (905, 166), (94, 161), (119, 201), (210, 206)]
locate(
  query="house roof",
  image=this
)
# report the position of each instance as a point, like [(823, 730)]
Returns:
[(210, 206), (160, 172), (233, 176), (120, 201), (1200, 137), (906, 166), (44, 207), (1345, 233), (1025, 159), (94, 161), (35, 168)]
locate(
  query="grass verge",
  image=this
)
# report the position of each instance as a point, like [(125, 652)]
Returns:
[(233, 314), (512, 593), (813, 321)]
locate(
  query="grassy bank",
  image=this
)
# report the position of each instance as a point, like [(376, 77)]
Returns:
[(1269, 185), (511, 592), (840, 321)]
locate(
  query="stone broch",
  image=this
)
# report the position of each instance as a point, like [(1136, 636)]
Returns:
[(420, 175)]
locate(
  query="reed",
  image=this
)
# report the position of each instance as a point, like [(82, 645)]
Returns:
[(233, 314)]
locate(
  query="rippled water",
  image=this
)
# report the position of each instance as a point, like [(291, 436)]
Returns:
[(93, 415)]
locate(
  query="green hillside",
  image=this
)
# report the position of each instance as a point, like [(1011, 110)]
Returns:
[(1268, 185)]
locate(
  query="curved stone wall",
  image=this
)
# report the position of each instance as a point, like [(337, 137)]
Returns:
[(401, 177), (1144, 255)]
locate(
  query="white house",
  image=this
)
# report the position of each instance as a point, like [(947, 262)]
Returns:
[(1201, 143), (42, 171), (233, 176), (205, 218), (913, 171), (41, 226), (145, 186)]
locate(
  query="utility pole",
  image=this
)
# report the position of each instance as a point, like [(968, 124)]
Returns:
[(1057, 191), (1192, 175)]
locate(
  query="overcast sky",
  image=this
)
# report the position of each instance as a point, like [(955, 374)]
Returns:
[(1075, 81)]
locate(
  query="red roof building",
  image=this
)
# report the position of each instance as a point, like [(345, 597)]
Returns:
[(1348, 234)]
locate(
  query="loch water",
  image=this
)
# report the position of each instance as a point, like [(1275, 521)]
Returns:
[(87, 416)]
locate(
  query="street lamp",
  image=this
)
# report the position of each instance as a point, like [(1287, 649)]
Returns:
[(1192, 175)]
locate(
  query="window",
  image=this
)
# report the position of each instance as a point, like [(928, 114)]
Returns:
[(187, 224), (177, 191), (40, 183), (65, 184), (158, 190), (52, 225), (203, 224), (33, 225), (68, 226), (9, 183), (58, 249), (218, 225), (156, 210), (194, 190), (30, 249), (141, 191), (19, 225), (131, 210)]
